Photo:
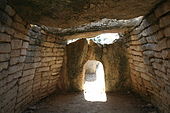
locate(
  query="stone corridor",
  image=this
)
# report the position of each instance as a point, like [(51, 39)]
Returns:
[(45, 45)]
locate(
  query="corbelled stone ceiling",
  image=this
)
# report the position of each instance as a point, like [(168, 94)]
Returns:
[(69, 13)]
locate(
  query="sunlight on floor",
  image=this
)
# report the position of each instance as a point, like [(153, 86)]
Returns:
[(95, 91)]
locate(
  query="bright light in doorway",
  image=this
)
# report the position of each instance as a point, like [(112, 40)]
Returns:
[(105, 38), (95, 91)]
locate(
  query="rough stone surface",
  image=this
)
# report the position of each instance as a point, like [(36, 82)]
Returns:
[(68, 13), (152, 76), (23, 78)]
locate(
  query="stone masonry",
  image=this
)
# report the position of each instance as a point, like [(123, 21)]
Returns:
[(148, 48), (30, 62)]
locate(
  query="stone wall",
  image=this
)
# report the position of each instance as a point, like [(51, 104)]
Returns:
[(113, 57), (30, 62), (149, 56)]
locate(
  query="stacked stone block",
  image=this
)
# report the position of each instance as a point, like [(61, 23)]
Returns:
[(30, 62), (149, 56)]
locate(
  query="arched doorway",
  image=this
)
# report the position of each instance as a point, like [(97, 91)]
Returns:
[(94, 81)]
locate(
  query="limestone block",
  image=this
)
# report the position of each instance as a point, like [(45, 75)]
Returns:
[(15, 53), (23, 52), (11, 94), (3, 65), (4, 57), (14, 60), (5, 48), (157, 54), (26, 78), (56, 66), (162, 44), (16, 44), (161, 74), (136, 48), (143, 40), (159, 66), (166, 54), (15, 68), (28, 72), (9, 10), (148, 53), (151, 39), (48, 44), (14, 76), (47, 59), (41, 69), (25, 45), (146, 60), (21, 36), (4, 37), (149, 47), (29, 65)]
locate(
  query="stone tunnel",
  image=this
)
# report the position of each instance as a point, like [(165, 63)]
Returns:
[(40, 72)]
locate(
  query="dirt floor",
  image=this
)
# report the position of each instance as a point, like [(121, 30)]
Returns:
[(75, 103)]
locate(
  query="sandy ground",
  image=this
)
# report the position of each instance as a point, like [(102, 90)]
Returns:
[(75, 103)]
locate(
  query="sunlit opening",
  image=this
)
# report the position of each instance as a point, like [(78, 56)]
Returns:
[(94, 85), (105, 38)]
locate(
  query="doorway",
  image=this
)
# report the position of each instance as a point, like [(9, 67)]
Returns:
[(94, 82)]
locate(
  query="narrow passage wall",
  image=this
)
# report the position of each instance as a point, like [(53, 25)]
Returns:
[(30, 62), (148, 48)]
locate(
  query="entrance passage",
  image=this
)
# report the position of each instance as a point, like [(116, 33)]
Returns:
[(94, 82)]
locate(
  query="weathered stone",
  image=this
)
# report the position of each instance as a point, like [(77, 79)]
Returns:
[(3, 65), (151, 39), (26, 78), (161, 74), (148, 53), (4, 37), (14, 76), (15, 60), (9, 10), (161, 44), (28, 72), (25, 45), (159, 66), (23, 52), (4, 57), (15, 68), (149, 47), (5, 48), (43, 69), (21, 36), (47, 59), (166, 54), (16, 44), (15, 53)]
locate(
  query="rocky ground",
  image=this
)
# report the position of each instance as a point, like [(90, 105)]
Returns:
[(75, 103)]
